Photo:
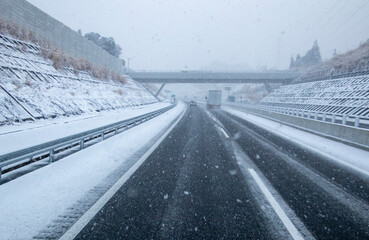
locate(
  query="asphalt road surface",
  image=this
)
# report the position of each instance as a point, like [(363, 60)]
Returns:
[(193, 187), (330, 199)]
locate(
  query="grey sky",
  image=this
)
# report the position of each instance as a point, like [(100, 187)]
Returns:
[(193, 34)]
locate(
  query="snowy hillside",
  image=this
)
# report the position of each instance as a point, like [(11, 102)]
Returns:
[(356, 60), (348, 96), (31, 88)]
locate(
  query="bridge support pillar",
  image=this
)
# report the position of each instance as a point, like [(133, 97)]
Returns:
[(150, 91), (161, 88), (268, 87)]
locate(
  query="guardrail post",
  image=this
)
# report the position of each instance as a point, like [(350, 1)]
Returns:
[(344, 119), (82, 144), (333, 118), (116, 130), (316, 116), (102, 136), (51, 156), (324, 116), (309, 114), (0, 172), (357, 121)]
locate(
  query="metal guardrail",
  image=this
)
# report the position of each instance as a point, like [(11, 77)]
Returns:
[(55, 146), (341, 119)]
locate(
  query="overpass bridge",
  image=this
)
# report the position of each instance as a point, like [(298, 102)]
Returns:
[(282, 77)]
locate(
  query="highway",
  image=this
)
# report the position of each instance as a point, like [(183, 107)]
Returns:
[(216, 176)]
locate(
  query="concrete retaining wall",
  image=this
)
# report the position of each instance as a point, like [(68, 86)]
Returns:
[(44, 26), (356, 136)]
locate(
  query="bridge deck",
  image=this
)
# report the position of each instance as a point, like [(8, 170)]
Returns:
[(214, 77)]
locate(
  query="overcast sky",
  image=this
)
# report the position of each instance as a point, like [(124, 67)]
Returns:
[(234, 34)]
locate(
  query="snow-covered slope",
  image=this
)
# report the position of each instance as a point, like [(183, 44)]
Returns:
[(30, 87), (346, 96)]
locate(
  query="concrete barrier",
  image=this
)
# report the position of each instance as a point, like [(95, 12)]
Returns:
[(350, 135), (46, 27)]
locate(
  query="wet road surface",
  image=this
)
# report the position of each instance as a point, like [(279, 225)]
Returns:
[(192, 187), (189, 188), (331, 200)]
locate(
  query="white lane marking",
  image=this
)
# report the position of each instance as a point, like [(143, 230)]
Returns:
[(221, 129), (277, 208), (86, 218), (225, 134)]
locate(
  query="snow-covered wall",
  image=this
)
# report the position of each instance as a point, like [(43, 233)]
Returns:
[(30, 87), (345, 96), (26, 15)]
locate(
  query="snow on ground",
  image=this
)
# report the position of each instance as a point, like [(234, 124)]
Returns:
[(352, 157), (30, 86), (13, 137), (29, 203)]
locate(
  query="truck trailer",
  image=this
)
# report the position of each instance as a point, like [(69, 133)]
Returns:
[(214, 99)]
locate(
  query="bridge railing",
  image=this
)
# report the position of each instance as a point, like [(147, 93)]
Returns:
[(214, 77)]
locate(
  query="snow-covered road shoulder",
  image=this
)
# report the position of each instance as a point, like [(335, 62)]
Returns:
[(14, 138), (352, 157), (29, 203)]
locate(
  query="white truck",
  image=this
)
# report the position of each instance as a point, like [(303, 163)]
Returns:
[(214, 99)]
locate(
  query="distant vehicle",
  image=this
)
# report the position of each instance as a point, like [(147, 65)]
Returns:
[(173, 99), (193, 103), (214, 99), (231, 98)]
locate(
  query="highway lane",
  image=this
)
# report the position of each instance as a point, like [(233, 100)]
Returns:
[(190, 187), (346, 178), (331, 200)]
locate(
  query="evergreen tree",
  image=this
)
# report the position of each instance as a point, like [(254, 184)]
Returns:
[(298, 60), (292, 63), (108, 44), (311, 57)]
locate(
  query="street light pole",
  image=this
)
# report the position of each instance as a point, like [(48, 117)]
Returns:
[(128, 64)]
